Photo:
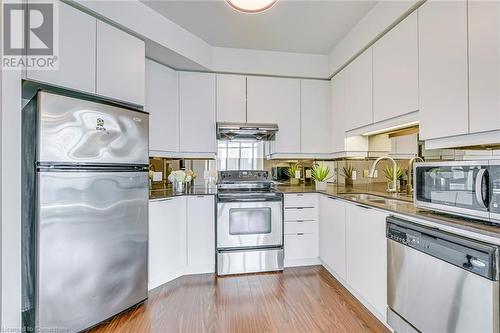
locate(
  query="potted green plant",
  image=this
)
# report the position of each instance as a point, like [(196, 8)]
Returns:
[(389, 175), (347, 172), (293, 172), (320, 174)]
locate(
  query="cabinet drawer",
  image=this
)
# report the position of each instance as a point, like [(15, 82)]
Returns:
[(307, 227), (301, 200), (301, 246), (301, 214)]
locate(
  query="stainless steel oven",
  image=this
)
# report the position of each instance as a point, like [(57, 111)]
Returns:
[(249, 220), (249, 223), (461, 188)]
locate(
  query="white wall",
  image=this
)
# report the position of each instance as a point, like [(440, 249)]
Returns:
[(11, 199), (230, 60), (372, 26)]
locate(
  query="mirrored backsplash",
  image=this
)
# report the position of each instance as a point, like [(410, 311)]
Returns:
[(207, 170)]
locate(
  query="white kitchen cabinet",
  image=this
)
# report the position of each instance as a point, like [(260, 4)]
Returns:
[(301, 229), (276, 100), (315, 116), (484, 65), (443, 82), (366, 255), (338, 116), (300, 246), (77, 49), (231, 98), (342, 146), (332, 243), (300, 200), (197, 112), (395, 71), (120, 65), (167, 240), (201, 233), (358, 91), (162, 103)]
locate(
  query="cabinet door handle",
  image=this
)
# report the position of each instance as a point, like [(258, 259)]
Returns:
[(300, 234), (363, 207)]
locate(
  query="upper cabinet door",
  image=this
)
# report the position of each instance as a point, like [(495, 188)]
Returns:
[(120, 65), (276, 100), (162, 103), (77, 47), (443, 69), (395, 71), (315, 116), (337, 116), (197, 112), (484, 65), (231, 98), (359, 102)]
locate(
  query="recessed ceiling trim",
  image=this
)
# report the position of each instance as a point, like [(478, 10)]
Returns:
[(251, 6)]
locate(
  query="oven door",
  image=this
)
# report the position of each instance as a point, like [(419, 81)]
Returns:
[(249, 222), (460, 188)]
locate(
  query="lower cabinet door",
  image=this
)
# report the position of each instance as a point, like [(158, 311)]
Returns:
[(167, 240), (332, 234), (201, 232), (366, 255), (301, 246)]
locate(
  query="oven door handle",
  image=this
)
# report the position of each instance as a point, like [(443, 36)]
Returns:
[(248, 199), (479, 188)]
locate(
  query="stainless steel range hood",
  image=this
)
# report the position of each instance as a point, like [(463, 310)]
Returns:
[(246, 131)]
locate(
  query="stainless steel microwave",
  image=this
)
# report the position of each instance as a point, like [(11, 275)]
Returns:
[(465, 188)]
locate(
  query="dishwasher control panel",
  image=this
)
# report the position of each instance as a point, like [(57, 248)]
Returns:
[(407, 237), (474, 256)]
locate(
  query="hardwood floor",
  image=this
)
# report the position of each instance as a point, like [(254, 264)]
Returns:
[(301, 299)]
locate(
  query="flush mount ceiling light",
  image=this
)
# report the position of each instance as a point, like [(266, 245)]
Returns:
[(251, 6)]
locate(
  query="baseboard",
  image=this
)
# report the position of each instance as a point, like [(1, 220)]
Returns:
[(187, 270), (164, 279), (302, 262), (199, 269)]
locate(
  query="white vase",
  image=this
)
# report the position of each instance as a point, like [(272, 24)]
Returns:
[(320, 186), (179, 187)]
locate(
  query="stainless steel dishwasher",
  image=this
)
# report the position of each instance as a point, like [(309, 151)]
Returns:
[(439, 282)]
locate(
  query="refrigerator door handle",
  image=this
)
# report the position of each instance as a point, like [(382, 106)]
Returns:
[(47, 167)]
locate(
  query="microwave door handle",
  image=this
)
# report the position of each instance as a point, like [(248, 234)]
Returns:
[(479, 188)]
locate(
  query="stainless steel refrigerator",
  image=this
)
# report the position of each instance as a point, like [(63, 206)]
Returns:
[(85, 211)]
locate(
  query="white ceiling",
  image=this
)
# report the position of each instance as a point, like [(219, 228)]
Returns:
[(303, 26)]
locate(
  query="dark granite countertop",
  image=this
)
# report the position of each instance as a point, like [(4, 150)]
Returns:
[(398, 204), (158, 193)]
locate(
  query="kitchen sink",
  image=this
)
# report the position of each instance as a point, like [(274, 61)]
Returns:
[(372, 198), (375, 198)]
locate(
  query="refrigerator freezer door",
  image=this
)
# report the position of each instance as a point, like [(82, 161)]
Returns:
[(92, 246), (73, 130)]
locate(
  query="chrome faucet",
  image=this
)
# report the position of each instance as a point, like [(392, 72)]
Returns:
[(409, 186), (395, 176)]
